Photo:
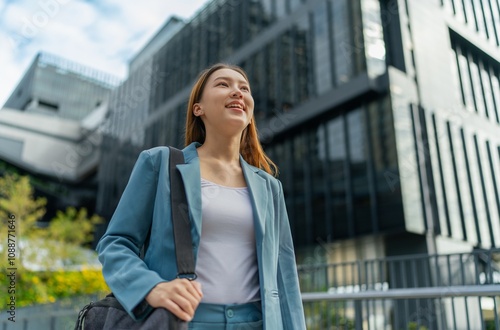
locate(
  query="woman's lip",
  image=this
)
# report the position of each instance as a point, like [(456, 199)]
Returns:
[(235, 108)]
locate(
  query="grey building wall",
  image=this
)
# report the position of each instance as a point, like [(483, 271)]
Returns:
[(56, 87)]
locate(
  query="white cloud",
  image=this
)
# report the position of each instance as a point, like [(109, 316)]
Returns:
[(102, 34)]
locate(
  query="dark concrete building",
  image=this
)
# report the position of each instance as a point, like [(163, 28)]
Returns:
[(383, 116)]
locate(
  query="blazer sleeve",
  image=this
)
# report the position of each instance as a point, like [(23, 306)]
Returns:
[(292, 311), (124, 271)]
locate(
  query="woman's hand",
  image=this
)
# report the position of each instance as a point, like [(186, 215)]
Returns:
[(179, 296)]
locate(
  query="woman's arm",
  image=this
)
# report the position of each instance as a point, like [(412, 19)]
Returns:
[(292, 311), (124, 271)]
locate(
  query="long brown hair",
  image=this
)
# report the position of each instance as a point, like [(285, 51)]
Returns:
[(250, 147)]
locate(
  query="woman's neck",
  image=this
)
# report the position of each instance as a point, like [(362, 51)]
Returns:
[(221, 148)]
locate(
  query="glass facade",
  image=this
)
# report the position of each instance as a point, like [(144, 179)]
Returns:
[(291, 65), (357, 156), (334, 175)]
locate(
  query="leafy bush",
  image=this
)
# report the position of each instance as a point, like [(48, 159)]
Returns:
[(34, 287)]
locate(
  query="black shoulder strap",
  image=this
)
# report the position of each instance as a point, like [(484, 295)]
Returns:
[(180, 219)]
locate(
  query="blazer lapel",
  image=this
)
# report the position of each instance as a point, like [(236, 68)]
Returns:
[(258, 194), (257, 186), (191, 177)]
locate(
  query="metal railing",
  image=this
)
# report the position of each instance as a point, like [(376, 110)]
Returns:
[(424, 292), (418, 292)]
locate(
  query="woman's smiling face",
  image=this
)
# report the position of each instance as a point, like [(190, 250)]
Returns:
[(226, 101)]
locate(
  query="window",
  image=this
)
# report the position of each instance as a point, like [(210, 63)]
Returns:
[(322, 68), (48, 105)]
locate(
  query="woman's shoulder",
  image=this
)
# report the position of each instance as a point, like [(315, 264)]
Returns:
[(154, 157), (157, 151), (274, 182)]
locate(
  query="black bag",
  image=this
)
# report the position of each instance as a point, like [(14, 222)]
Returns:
[(108, 313)]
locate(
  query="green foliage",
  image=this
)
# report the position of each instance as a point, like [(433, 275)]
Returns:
[(328, 315), (16, 197), (49, 286), (73, 226), (415, 326), (44, 254)]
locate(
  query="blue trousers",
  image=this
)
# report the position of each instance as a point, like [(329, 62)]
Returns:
[(227, 317)]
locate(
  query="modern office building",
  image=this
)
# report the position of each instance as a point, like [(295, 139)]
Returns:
[(383, 116), (51, 128)]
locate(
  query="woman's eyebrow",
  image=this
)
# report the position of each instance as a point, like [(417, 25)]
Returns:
[(242, 81)]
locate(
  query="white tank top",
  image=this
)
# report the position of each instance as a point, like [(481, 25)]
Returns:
[(227, 260)]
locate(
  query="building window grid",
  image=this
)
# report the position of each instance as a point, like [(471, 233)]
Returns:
[(272, 85), (342, 40), (466, 196), (478, 17), (469, 200), (268, 8), (459, 10), (478, 84), (449, 6), (358, 40), (327, 170), (418, 154), (465, 80), (302, 58), (356, 135), (441, 192), (488, 226), (489, 22), (456, 51), (457, 219), (471, 95), (320, 38), (316, 169), (481, 15), (287, 79), (278, 73), (337, 175), (308, 196), (281, 7), (495, 89), (494, 183), (331, 48), (372, 182), (288, 183), (487, 93), (300, 190), (494, 9), (348, 182)]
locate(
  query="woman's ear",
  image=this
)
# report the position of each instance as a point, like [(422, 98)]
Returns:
[(197, 110)]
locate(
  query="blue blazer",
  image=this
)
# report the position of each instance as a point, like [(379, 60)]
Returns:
[(145, 204)]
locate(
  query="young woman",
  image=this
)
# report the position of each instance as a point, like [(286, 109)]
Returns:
[(245, 262)]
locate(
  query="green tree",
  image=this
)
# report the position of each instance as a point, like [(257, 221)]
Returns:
[(17, 199), (73, 226), (42, 253), (60, 241)]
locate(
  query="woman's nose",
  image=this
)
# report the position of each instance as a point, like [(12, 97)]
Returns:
[(237, 93)]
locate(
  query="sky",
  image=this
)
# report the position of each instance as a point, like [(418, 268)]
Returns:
[(101, 34)]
